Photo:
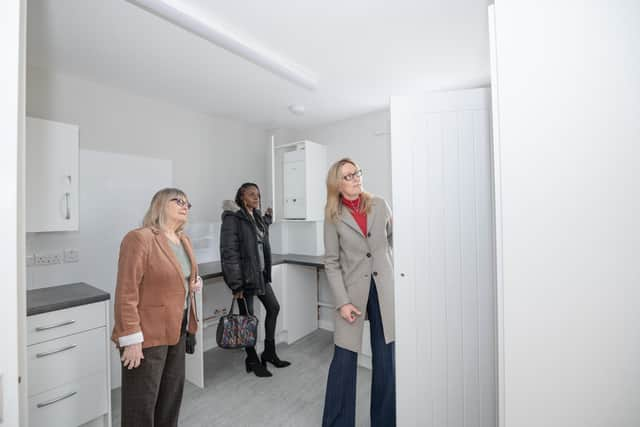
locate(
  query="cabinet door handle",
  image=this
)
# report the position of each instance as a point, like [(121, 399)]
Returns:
[(60, 350), (66, 198), (57, 399), (46, 328)]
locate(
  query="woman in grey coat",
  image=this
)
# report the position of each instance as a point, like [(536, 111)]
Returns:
[(359, 267)]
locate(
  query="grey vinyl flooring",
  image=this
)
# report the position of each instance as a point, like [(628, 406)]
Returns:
[(294, 396)]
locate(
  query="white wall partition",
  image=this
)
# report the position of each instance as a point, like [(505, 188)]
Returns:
[(567, 81), (12, 303), (444, 259)]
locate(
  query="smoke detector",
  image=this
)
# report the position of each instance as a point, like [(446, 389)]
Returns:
[(296, 109)]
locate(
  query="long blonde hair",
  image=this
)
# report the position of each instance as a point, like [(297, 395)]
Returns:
[(156, 214), (334, 178)]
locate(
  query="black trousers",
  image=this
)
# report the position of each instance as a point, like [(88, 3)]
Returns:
[(271, 306), (152, 392)]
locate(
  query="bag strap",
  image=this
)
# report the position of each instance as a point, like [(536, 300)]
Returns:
[(188, 310), (246, 307)]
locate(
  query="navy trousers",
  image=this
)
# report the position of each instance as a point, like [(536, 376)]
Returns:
[(340, 398)]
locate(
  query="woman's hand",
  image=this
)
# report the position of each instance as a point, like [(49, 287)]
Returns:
[(238, 295), (132, 356), (349, 312), (196, 285)]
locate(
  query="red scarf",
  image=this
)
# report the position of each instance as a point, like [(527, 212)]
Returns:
[(359, 216)]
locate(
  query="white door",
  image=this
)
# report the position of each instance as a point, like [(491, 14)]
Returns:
[(444, 258)]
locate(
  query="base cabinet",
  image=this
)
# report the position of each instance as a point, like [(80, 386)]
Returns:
[(67, 367)]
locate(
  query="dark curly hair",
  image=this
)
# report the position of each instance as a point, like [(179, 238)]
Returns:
[(242, 189)]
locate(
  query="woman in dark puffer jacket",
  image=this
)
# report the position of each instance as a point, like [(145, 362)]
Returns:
[(245, 256)]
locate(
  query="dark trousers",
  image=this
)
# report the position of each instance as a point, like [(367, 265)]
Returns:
[(152, 392), (340, 398), (272, 308)]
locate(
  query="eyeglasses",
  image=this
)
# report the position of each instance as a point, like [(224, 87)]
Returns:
[(182, 203), (350, 176)]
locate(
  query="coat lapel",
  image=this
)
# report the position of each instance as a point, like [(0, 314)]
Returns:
[(371, 217), (347, 218)]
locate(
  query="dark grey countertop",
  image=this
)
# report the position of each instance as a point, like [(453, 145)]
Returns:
[(211, 270), (60, 297)]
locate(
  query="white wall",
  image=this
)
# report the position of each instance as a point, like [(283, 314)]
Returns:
[(365, 139), (210, 157), (567, 79)]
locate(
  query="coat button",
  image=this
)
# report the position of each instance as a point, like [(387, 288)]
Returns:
[(368, 254), (375, 273)]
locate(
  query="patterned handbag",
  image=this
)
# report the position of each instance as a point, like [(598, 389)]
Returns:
[(237, 330)]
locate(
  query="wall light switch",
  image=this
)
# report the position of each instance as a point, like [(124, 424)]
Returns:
[(71, 255)]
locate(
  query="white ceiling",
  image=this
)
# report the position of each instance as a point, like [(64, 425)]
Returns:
[(362, 51)]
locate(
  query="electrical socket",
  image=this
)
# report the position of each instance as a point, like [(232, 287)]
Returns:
[(71, 255), (48, 259)]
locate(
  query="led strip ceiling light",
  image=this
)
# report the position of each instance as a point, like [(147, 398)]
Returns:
[(224, 39)]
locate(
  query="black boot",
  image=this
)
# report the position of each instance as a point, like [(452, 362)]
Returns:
[(252, 363), (269, 355)]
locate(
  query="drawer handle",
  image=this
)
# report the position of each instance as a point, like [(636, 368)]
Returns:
[(57, 399), (60, 350), (46, 328)]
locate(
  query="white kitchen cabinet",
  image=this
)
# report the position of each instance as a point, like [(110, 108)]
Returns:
[(299, 301), (52, 150), (278, 285), (300, 170), (68, 368), (296, 288)]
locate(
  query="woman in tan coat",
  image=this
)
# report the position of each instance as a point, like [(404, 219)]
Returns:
[(157, 279), (359, 267)]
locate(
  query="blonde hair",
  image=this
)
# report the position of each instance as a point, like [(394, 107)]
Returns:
[(156, 214), (334, 178)]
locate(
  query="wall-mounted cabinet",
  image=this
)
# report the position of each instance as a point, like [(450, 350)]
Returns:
[(299, 173), (52, 150)]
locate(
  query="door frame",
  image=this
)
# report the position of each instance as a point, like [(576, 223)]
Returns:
[(12, 245)]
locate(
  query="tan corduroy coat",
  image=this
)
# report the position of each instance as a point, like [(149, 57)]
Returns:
[(150, 291), (351, 259)]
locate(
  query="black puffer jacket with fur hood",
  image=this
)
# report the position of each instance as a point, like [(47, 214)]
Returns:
[(239, 249)]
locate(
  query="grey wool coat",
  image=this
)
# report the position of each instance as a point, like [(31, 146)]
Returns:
[(351, 260)]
